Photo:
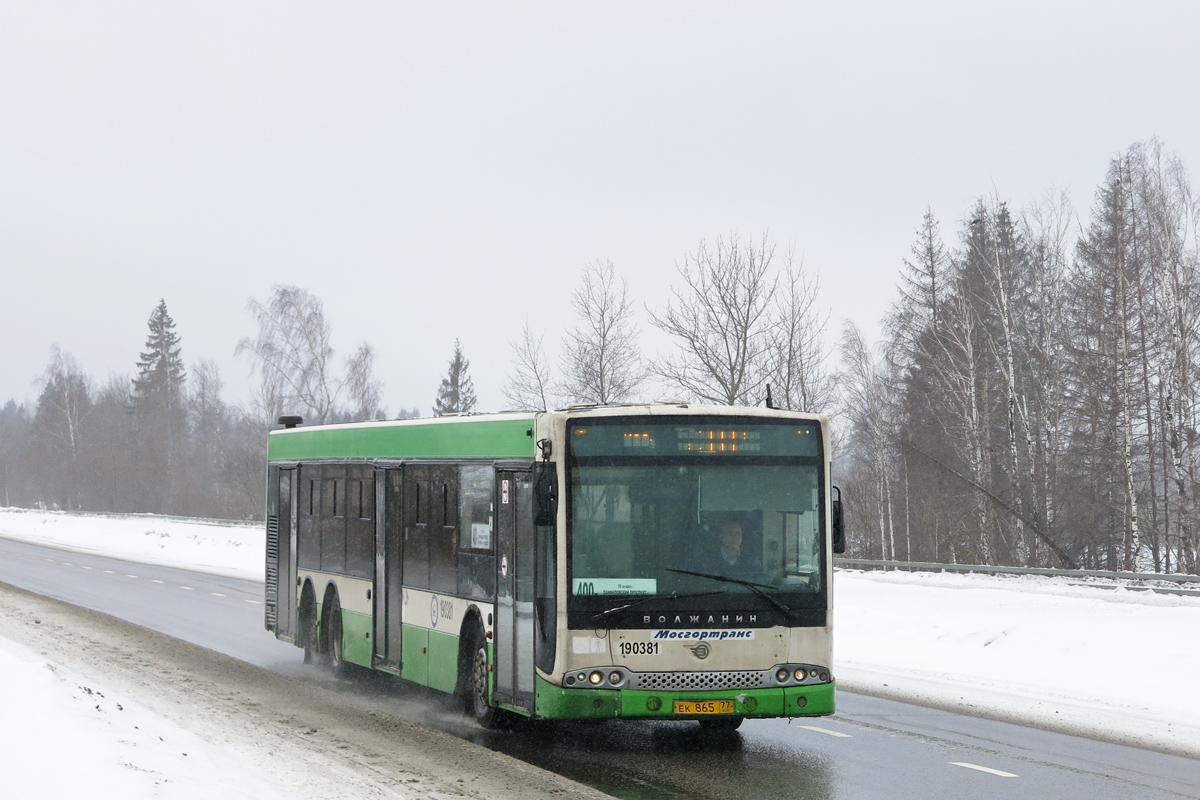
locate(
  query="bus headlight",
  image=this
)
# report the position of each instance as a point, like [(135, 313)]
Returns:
[(596, 678), (615, 678), (781, 675), (800, 674)]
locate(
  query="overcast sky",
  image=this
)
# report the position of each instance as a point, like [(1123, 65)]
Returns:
[(434, 173)]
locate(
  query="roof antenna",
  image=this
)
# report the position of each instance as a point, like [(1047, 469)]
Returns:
[(769, 403)]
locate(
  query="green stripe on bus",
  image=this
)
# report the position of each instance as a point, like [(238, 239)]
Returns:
[(429, 657), (356, 641), (414, 662), (505, 438)]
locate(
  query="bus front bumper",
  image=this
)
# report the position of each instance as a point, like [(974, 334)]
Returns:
[(556, 702)]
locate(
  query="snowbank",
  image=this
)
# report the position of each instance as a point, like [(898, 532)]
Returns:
[(218, 547), (77, 739), (1117, 665)]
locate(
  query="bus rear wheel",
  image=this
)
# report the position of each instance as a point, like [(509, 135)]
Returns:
[(333, 646)]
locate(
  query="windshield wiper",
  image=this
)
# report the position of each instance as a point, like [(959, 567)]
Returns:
[(638, 602), (757, 588)]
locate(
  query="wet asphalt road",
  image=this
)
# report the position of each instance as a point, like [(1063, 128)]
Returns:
[(871, 748)]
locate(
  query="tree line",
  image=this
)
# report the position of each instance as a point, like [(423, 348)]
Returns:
[(1033, 400)]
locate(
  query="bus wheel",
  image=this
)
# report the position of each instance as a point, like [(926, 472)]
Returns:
[(721, 724), (477, 698), (334, 645), (307, 633)]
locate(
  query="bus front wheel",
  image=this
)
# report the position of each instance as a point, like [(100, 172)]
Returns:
[(478, 704)]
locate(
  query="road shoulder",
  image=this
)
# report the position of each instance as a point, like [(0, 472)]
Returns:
[(320, 741)]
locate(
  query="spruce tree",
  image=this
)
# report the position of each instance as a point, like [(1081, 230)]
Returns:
[(159, 412), (160, 368), (457, 393)]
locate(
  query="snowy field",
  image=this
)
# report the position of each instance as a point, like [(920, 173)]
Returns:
[(1115, 665), (218, 547), (77, 739), (1108, 664)]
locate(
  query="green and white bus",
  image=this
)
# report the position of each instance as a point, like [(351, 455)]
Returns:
[(637, 562)]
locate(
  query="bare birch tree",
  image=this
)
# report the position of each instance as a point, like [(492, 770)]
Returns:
[(720, 320), (293, 357), (797, 353), (867, 409), (601, 359), (364, 392), (530, 385)]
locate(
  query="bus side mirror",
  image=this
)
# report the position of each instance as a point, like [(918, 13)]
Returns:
[(839, 524), (545, 494)]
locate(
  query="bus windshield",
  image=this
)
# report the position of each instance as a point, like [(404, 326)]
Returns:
[(675, 524)]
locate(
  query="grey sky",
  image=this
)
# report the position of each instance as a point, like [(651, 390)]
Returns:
[(434, 172)]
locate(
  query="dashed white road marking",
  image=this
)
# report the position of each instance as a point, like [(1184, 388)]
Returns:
[(85, 566), (988, 770), (257, 603), (51, 560), (156, 580), (216, 594), (827, 732), (67, 564), (189, 588), (109, 571), (131, 576)]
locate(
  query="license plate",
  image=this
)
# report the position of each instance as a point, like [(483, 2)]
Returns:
[(703, 706)]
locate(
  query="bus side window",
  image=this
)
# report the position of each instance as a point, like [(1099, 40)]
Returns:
[(308, 530), (360, 528), (416, 527), (333, 519), (476, 554), (443, 531)]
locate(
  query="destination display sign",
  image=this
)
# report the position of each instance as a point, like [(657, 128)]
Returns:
[(701, 437)]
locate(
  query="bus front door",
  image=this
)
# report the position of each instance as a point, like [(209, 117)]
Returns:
[(515, 568), (389, 541)]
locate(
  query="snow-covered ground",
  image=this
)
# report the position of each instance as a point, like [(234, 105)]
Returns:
[(77, 739), (1116, 664), (218, 547)]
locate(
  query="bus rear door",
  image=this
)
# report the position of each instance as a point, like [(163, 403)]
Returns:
[(389, 541)]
